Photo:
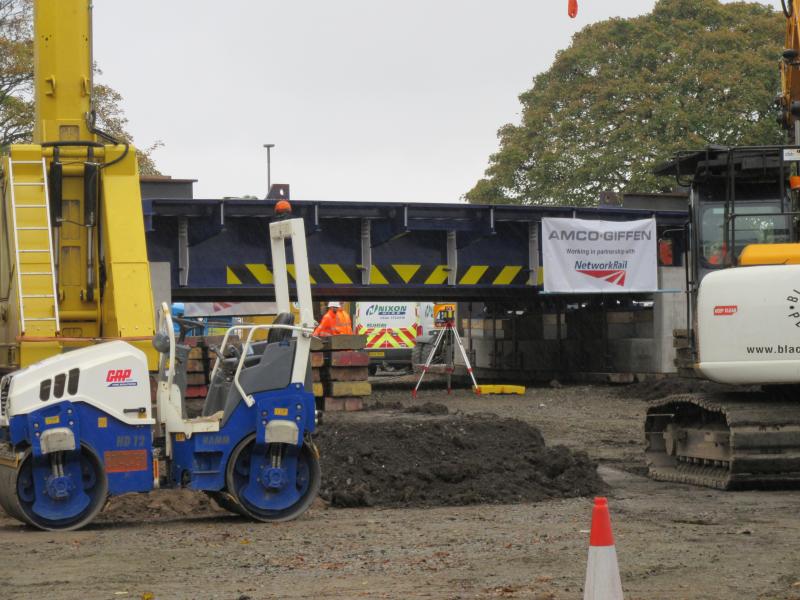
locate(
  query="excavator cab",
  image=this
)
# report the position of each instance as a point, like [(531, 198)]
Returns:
[(738, 197)]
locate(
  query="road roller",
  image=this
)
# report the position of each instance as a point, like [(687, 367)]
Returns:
[(80, 427)]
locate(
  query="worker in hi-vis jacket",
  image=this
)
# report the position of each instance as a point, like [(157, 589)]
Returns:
[(334, 322)]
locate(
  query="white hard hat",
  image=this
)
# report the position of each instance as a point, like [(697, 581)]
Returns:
[(334, 304)]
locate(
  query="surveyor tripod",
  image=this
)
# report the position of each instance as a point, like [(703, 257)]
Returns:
[(448, 336)]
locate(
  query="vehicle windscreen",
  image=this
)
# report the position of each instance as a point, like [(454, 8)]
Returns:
[(757, 229)]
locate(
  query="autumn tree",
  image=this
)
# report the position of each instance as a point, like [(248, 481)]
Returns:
[(16, 87), (629, 93), (16, 72)]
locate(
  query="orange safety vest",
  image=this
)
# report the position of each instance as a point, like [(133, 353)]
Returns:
[(327, 326), (344, 326)]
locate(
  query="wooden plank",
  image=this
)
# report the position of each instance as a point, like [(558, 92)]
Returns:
[(339, 389), (339, 342), (345, 374), (680, 333), (196, 379), (318, 390), (317, 359), (346, 342), (196, 391), (348, 358), (195, 365), (684, 363), (688, 373), (315, 374), (680, 343)]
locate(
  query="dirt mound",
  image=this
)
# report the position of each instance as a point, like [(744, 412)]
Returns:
[(384, 406), (448, 460), (159, 504), (429, 408)]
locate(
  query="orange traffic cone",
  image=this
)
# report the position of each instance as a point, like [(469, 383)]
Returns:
[(602, 572)]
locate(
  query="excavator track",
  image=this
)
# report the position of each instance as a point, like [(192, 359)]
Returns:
[(725, 441)]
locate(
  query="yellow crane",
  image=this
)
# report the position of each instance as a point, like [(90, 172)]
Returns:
[(74, 265)]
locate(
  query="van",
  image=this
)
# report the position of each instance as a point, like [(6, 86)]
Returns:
[(392, 330)]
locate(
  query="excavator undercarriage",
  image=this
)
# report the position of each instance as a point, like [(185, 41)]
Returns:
[(725, 440)]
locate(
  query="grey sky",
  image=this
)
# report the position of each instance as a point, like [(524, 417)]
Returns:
[(365, 100)]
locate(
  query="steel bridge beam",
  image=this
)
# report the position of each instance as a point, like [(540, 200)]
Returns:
[(219, 248)]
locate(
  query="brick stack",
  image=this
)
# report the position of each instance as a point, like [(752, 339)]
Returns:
[(340, 372)]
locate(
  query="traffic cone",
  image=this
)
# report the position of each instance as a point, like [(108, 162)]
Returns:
[(602, 571)]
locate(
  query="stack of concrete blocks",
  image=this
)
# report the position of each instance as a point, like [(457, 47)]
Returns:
[(340, 372), (637, 341)]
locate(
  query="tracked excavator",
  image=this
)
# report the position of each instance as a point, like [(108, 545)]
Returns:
[(743, 275)]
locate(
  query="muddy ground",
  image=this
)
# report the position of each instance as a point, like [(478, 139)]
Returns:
[(673, 541)]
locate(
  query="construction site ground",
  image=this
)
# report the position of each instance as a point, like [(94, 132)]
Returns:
[(673, 541)]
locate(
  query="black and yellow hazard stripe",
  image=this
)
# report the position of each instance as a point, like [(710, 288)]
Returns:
[(389, 274)]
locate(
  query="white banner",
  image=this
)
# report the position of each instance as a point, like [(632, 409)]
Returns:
[(599, 256), (228, 309)]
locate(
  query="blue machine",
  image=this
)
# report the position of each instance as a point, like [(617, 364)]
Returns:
[(79, 427)]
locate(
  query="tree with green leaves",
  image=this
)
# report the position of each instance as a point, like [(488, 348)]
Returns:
[(16, 72), (629, 93), (16, 87)]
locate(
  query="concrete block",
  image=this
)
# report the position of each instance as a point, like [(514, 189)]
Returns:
[(634, 355), (669, 315), (617, 330), (488, 334), (620, 317), (550, 331), (644, 329)]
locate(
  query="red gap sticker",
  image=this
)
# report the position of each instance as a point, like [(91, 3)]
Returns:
[(725, 311)]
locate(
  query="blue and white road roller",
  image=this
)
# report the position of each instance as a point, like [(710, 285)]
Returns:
[(78, 428)]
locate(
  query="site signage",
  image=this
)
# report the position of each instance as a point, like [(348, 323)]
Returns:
[(586, 256)]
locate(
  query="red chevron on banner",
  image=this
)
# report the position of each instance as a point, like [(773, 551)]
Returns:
[(616, 276)]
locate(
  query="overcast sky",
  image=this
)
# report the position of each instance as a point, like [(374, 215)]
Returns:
[(364, 99)]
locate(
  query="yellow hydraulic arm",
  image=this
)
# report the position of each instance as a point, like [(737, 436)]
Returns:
[(75, 267)]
